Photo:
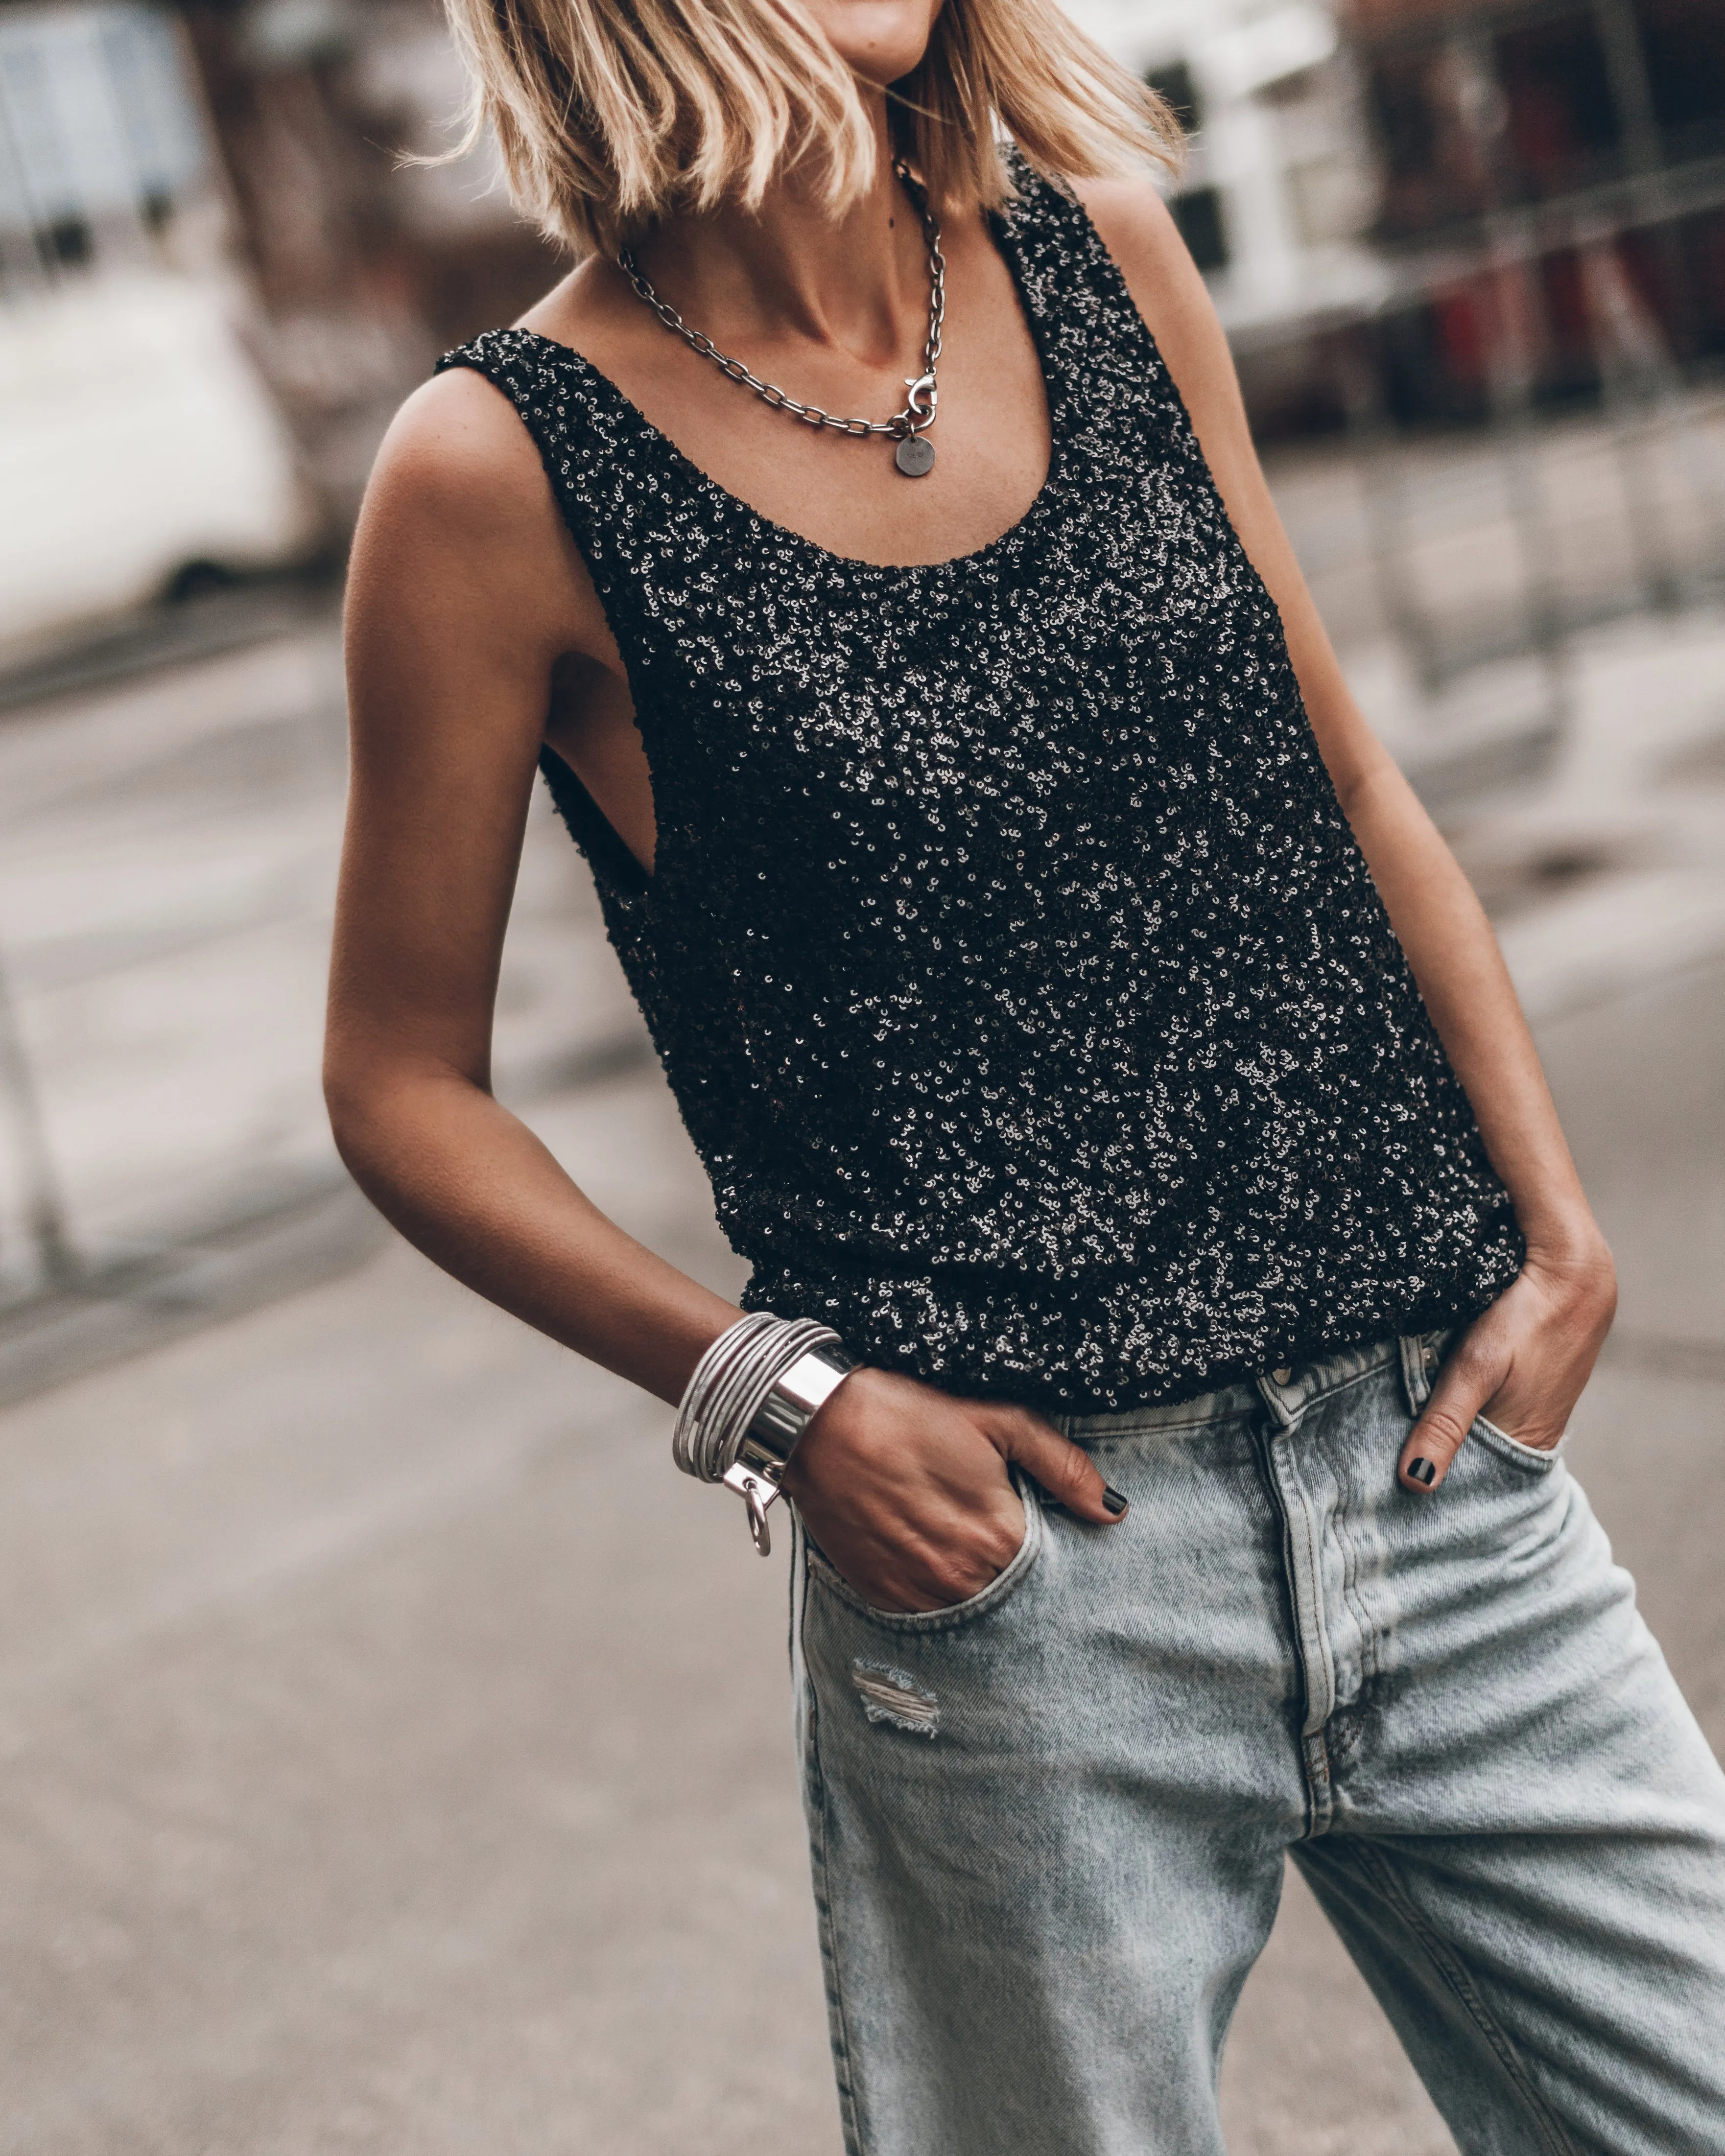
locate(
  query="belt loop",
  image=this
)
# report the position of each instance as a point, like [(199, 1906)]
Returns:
[(1422, 1352), (1283, 1394)]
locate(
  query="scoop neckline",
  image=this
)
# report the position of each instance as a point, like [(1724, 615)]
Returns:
[(1054, 399)]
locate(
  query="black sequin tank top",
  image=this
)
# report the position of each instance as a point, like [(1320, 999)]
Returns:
[(1019, 979)]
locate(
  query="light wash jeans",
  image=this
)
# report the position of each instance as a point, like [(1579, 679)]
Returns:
[(1048, 1825)]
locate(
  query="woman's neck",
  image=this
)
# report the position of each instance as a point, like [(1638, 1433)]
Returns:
[(793, 270)]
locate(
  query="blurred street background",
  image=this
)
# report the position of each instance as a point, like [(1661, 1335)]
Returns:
[(397, 1750)]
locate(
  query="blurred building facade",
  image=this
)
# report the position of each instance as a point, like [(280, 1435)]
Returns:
[(365, 263), (1278, 196), (1550, 222), (1502, 188), (139, 451), (1551, 196), (217, 278)]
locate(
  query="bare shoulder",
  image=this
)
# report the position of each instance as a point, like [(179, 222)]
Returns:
[(1135, 225), (457, 460), (459, 511), (1134, 221)]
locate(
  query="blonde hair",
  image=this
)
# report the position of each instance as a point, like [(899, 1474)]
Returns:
[(610, 114)]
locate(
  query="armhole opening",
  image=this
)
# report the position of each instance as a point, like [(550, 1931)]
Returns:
[(591, 829), (612, 864)]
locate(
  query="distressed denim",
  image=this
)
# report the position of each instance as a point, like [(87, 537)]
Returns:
[(1048, 1825)]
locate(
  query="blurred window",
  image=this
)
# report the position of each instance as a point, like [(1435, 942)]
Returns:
[(1683, 44), (98, 133), (1562, 124), (1174, 83), (1199, 214), (162, 132), (65, 243), (1425, 181)]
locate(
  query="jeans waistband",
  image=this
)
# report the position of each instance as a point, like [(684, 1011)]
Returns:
[(1286, 1390)]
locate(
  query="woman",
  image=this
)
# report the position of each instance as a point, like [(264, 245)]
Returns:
[(1175, 1310)]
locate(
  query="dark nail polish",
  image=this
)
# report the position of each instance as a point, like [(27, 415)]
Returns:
[(1113, 1500), (1422, 1471)]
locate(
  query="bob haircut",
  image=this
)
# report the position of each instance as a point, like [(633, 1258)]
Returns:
[(611, 113)]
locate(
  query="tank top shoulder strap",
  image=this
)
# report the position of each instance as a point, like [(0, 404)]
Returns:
[(558, 399), (632, 499), (594, 445), (1111, 394)]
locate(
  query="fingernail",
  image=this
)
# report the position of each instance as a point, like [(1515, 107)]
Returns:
[(1113, 1500), (1422, 1471)]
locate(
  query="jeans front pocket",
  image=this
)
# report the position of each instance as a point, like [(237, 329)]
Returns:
[(999, 1589), (1536, 1460)]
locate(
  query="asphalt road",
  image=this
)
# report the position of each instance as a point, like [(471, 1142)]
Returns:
[(397, 1750)]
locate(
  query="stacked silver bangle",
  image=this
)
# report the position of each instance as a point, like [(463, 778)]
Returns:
[(753, 1394)]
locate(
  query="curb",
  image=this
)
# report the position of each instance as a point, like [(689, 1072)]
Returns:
[(292, 1239), (147, 1298)]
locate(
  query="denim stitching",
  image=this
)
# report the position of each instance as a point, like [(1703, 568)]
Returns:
[(1320, 1630), (1534, 1459), (1352, 1596), (1372, 1659), (1342, 1384), (1314, 1757), (1415, 1386), (838, 2020), (1453, 1971), (1096, 1440)]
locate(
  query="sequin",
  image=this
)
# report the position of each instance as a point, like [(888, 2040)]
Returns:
[(1019, 981)]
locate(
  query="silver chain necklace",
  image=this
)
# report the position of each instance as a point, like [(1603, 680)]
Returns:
[(915, 453)]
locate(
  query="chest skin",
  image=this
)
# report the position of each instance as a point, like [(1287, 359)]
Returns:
[(843, 494)]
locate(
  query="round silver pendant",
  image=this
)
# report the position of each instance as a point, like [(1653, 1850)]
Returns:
[(915, 456)]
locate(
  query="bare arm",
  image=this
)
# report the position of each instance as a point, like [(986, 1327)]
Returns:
[(467, 608), (1525, 1361), (464, 597)]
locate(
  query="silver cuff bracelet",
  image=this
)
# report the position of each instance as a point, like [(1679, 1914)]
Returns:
[(796, 1398), (753, 1394)]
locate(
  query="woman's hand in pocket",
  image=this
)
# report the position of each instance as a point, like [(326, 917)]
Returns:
[(1521, 1363), (907, 1491)]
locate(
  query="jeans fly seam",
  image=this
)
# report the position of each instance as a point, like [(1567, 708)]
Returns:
[(1320, 1629), (1449, 1966), (1320, 1785), (1352, 1592), (1319, 1799), (1338, 1527)]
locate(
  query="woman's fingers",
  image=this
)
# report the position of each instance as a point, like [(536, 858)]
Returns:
[(1469, 1377), (1523, 1363), (1066, 1471), (906, 1491)]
